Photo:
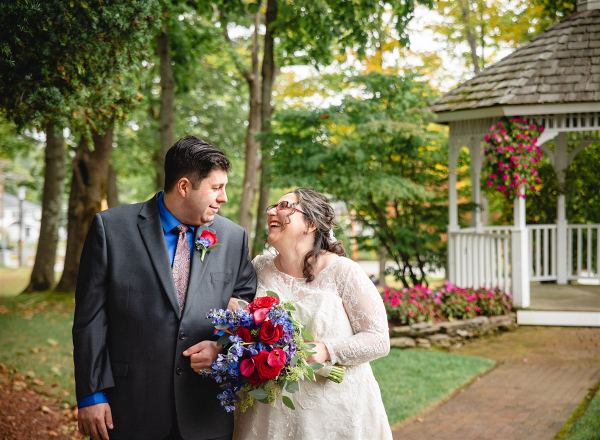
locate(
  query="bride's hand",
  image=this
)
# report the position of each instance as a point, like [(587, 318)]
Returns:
[(321, 355)]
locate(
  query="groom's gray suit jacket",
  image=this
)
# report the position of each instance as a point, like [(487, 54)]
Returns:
[(129, 334)]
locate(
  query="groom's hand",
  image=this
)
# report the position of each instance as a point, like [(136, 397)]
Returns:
[(93, 421), (203, 354)]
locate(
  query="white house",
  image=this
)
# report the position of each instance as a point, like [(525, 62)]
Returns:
[(554, 81), (32, 214)]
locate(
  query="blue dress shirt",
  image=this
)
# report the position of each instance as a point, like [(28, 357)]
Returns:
[(169, 225)]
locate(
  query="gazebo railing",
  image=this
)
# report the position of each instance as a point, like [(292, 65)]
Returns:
[(481, 259), (542, 252), (583, 247)]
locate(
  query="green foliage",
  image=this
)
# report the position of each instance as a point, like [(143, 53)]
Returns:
[(57, 55), (582, 193), (412, 380), (209, 104), (23, 159), (376, 153), (493, 25)]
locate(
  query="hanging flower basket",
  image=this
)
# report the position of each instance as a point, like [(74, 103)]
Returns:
[(511, 158)]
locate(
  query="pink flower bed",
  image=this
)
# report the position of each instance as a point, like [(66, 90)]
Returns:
[(421, 303)]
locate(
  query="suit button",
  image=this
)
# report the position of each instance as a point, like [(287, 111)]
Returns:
[(178, 370), (182, 336)]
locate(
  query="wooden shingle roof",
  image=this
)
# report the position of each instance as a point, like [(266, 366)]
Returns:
[(561, 65)]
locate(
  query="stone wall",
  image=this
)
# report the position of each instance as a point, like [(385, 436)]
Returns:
[(446, 334)]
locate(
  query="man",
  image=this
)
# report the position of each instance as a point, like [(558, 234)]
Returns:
[(143, 292)]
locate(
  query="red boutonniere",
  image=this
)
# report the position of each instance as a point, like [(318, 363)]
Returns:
[(206, 242)]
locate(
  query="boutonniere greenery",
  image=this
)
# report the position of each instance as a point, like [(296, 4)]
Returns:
[(206, 242)]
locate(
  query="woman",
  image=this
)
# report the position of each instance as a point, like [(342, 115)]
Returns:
[(344, 312)]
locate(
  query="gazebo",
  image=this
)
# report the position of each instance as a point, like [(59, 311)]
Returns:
[(554, 81)]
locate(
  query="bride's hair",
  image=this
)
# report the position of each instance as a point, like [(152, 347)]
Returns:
[(318, 212)]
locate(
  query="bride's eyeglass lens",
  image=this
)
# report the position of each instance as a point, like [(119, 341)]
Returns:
[(284, 205)]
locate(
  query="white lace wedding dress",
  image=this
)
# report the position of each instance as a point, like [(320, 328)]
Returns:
[(342, 308)]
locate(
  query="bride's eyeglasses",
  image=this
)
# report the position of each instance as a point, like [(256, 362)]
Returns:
[(284, 205)]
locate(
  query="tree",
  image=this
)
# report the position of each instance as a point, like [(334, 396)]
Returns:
[(478, 28), (376, 153), (302, 32), (124, 30)]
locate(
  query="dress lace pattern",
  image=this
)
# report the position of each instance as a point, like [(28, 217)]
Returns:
[(342, 308)]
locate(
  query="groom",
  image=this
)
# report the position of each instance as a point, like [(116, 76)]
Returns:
[(140, 329)]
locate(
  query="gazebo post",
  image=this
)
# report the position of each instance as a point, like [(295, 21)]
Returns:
[(520, 256), (453, 152), (560, 165), (476, 153)]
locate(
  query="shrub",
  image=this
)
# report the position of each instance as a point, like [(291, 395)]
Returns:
[(420, 303)]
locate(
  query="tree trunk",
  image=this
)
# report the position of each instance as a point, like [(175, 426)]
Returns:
[(112, 191), (42, 276), (471, 37), (269, 73), (252, 146), (90, 173), (167, 98)]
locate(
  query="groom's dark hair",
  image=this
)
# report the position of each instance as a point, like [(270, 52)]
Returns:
[(193, 158)]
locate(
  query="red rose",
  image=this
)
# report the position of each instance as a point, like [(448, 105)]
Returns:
[(210, 236), (244, 333), (260, 307), (265, 371), (263, 302), (269, 333)]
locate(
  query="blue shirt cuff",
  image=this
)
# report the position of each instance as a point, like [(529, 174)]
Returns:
[(94, 399)]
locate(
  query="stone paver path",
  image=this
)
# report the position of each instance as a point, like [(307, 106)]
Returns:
[(544, 373)]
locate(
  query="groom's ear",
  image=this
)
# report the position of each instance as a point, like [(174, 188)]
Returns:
[(183, 187)]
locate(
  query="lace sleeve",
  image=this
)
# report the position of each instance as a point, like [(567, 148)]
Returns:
[(365, 310)]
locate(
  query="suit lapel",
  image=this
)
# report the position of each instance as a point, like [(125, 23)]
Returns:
[(198, 268), (153, 235)]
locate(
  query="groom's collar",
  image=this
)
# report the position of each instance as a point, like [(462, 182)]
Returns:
[(168, 220)]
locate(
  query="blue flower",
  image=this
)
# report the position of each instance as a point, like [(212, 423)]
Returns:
[(204, 242)]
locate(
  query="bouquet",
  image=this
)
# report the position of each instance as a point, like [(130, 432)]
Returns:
[(265, 352)]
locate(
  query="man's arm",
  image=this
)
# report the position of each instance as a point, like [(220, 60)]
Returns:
[(92, 363), (203, 354), (245, 284)]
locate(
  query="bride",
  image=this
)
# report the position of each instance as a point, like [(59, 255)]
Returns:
[(343, 311)]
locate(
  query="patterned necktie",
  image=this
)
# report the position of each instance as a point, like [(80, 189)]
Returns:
[(181, 265)]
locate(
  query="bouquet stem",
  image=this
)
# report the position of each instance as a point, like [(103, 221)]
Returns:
[(334, 373), (337, 373)]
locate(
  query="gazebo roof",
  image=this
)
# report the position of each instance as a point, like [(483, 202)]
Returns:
[(559, 66)]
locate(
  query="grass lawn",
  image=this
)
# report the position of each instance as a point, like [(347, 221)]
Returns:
[(35, 341), (13, 281), (584, 423), (412, 380)]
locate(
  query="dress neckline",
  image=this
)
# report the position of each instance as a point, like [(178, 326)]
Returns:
[(334, 262)]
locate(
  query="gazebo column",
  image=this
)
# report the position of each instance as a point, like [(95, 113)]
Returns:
[(520, 257), (476, 153), (453, 151), (560, 165)]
